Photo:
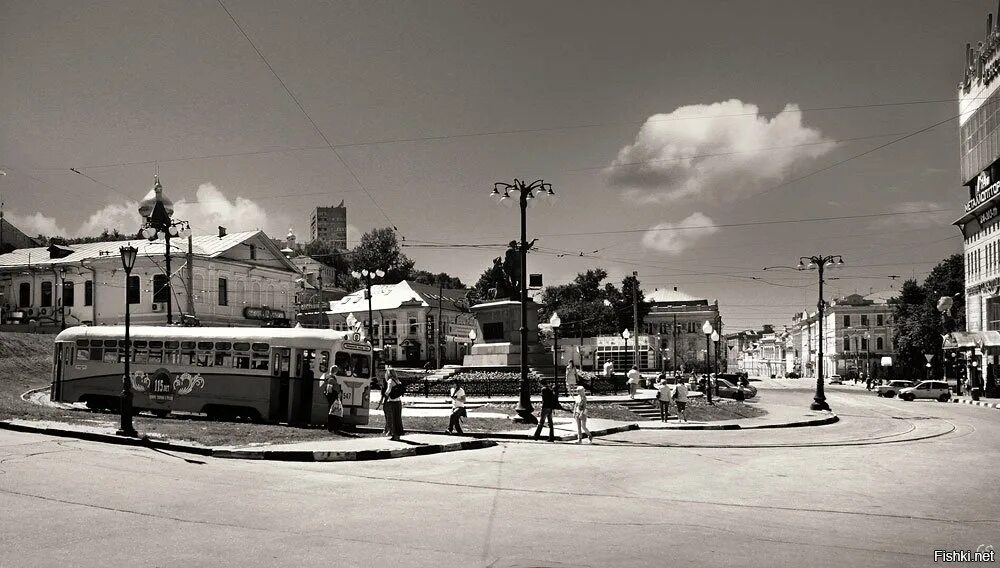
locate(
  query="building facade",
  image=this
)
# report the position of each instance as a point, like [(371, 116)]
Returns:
[(979, 147), (675, 338), (329, 224), (240, 279), (12, 238), (405, 320)]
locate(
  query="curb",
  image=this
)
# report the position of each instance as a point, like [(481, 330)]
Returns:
[(512, 436), (291, 455), (977, 403), (800, 424)]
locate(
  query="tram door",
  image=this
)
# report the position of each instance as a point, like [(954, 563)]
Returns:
[(281, 363), (302, 386)]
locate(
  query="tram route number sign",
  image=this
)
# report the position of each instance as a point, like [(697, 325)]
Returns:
[(161, 386), (357, 346)]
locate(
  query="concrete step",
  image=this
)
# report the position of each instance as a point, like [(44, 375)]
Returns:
[(642, 409)]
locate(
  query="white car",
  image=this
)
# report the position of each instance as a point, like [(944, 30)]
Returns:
[(937, 390)]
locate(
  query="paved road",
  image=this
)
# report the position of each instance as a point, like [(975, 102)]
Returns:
[(885, 487)]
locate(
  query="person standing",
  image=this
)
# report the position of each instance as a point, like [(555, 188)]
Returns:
[(580, 415), (550, 402), (458, 412), (331, 390), (394, 390), (663, 394), (634, 376), (609, 375), (708, 389), (571, 377), (680, 396)]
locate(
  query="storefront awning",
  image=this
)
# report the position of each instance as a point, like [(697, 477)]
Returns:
[(970, 339)]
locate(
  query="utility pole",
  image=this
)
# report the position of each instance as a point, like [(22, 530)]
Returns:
[(635, 314), (437, 338), (190, 277), (673, 344)]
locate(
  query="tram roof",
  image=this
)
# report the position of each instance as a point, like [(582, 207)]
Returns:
[(259, 334)]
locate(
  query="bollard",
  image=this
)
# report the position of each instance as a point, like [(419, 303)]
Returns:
[(427, 388)]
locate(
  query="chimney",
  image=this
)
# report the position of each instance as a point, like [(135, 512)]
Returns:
[(675, 288), (222, 231)]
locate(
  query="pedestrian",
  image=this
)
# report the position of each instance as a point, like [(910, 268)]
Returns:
[(332, 392), (634, 376), (428, 367), (663, 394), (394, 389), (580, 414), (708, 389), (571, 377), (458, 412), (680, 396), (382, 389), (550, 402), (609, 374)]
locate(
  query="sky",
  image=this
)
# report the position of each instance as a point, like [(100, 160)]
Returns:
[(682, 137)]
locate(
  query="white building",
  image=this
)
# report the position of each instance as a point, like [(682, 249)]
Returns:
[(240, 279), (405, 317)]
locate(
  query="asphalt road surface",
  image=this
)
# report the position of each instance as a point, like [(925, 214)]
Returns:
[(888, 485)]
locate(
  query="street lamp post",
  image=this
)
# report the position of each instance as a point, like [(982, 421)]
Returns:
[(128, 254), (944, 306), (715, 342), (527, 193), (819, 263), (367, 276), (157, 211), (555, 322), (625, 335), (708, 330)]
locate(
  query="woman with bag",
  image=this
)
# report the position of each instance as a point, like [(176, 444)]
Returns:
[(580, 414), (331, 390), (394, 390)]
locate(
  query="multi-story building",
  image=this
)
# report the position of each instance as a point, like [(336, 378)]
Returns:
[(405, 317), (674, 326), (979, 144), (239, 279), (737, 346), (329, 224)]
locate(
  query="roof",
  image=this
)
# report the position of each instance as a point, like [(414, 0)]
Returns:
[(883, 296), (262, 334), (672, 296), (393, 296), (205, 246)]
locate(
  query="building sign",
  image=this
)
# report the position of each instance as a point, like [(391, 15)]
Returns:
[(983, 196), (988, 217), (357, 346), (262, 313), (988, 286)]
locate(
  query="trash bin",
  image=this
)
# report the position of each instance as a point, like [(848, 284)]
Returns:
[(975, 393)]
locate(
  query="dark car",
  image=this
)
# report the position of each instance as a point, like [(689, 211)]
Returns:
[(727, 389), (793, 375)]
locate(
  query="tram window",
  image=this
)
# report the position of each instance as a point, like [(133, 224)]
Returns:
[(111, 343), (82, 354), (187, 345), (171, 356), (361, 366), (156, 345), (241, 359), (264, 347), (203, 359), (141, 356), (260, 361), (82, 343), (172, 344), (140, 344), (96, 354), (223, 346), (343, 362), (241, 347), (155, 355), (188, 357), (324, 361), (205, 345), (111, 356), (223, 359)]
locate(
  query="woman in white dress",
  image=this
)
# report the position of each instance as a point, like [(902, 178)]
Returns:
[(580, 414)]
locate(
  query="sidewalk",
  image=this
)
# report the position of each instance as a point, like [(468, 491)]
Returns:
[(983, 401)]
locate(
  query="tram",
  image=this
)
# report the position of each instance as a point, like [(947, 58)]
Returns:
[(260, 374)]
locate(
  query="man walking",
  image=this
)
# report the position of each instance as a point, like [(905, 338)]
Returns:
[(663, 394), (609, 374), (458, 412), (680, 397), (550, 402)]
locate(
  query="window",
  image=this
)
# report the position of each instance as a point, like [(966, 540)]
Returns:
[(864, 344), (847, 344), (24, 295), (223, 292), (993, 313), (879, 320), (413, 326), (847, 320), (879, 345), (132, 290), (46, 294), (67, 293), (253, 252), (88, 293), (161, 288), (864, 320)]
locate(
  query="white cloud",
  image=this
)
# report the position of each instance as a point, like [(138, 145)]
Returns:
[(210, 209), (673, 238), (35, 224), (917, 214), (719, 151)]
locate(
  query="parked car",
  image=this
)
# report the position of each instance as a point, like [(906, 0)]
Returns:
[(836, 380), (793, 375), (735, 378), (892, 389), (727, 389), (937, 390)]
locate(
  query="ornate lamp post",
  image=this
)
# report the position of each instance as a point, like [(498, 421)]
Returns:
[(944, 306), (819, 263), (367, 276), (715, 341), (707, 329), (128, 254), (625, 335), (157, 211), (555, 322), (527, 193)]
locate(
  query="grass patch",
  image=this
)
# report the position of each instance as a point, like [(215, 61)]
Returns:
[(723, 409), (594, 410)]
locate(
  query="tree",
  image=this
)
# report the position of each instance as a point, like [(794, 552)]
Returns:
[(326, 253), (581, 304), (440, 279), (624, 307), (379, 249), (918, 324)]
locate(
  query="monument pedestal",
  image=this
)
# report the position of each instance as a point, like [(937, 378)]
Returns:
[(498, 327)]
